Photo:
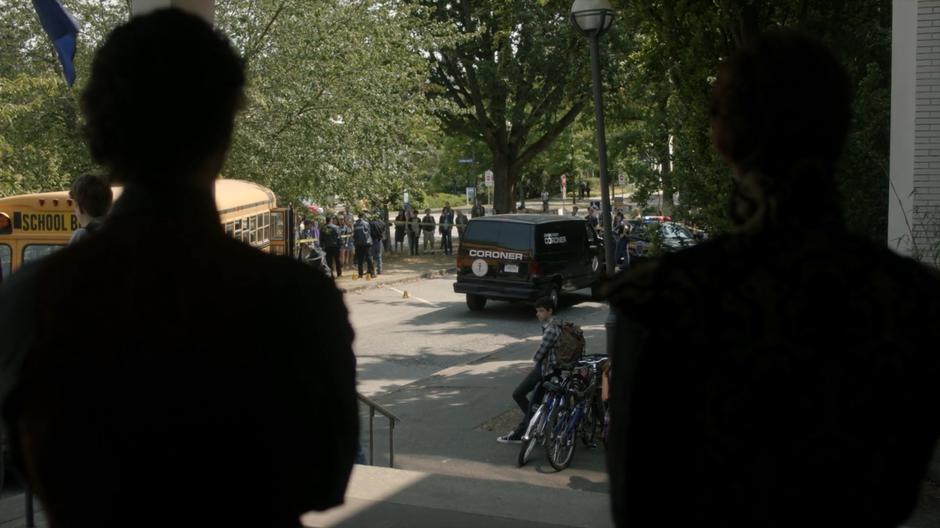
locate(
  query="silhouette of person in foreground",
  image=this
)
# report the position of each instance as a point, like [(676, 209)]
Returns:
[(178, 395), (783, 374), (92, 197)]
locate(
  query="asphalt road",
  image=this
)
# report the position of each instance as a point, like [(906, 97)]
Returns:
[(448, 373), (402, 340)]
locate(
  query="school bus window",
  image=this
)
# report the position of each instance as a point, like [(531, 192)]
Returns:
[(6, 226), (37, 251), (253, 236), (6, 260), (267, 226), (230, 229), (237, 232), (245, 230)]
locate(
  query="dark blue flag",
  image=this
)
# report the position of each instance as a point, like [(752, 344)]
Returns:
[(62, 30)]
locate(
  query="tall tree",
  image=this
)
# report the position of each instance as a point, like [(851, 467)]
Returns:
[(41, 145), (515, 77), (335, 98), (335, 102), (681, 44)]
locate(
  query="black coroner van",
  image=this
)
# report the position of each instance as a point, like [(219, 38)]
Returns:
[(524, 257)]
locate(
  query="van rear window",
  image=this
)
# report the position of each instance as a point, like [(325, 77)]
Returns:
[(506, 235), (561, 237)]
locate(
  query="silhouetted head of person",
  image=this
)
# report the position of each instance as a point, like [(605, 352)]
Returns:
[(92, 196), (161, 101), (781, 110)]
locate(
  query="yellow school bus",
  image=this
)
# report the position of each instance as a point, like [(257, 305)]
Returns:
[(35, 225)]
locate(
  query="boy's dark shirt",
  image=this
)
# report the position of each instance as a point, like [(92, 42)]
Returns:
[(783, 379), (179, 373)]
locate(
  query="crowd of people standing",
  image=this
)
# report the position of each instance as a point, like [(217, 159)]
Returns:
[(336, 236), (411, 228)]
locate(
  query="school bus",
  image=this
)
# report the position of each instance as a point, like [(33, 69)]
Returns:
[(35, 225)]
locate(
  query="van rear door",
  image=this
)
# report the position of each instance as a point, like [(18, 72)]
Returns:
[(498, 250), (562, 251)]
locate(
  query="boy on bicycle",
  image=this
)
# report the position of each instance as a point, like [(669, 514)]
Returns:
[(545, 360)]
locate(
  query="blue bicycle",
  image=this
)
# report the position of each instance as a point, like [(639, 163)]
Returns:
[(578, 414), (554, 392)]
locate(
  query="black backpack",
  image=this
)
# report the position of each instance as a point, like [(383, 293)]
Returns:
[(361, 235)]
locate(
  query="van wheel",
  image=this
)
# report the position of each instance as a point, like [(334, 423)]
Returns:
[(476, 302)]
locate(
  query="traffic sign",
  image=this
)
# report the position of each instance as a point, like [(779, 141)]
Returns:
[(488, 178), (564, 180), (468, 160)]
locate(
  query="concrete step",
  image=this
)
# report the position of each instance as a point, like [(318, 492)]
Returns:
[(380, 497)]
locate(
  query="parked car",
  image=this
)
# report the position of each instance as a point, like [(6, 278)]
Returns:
[(524, 257), (650, 238)]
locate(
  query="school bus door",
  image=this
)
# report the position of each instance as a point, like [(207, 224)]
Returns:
[(282, 235)]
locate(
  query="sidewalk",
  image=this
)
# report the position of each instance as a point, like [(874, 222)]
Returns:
[(397, 267)]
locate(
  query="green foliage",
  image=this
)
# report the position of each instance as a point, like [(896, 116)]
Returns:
[(663, 72), (41, 145), (437, 201), (335, 104), (354, 101)]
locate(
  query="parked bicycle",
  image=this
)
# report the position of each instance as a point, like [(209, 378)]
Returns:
[(579, 413), (554, 391)]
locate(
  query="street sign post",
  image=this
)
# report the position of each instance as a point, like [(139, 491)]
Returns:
[(488, 178)]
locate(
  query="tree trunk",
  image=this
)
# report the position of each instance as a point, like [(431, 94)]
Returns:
[(504, 181)]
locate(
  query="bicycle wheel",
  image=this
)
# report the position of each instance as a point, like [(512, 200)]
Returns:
[(526, 450), (533, 433), (560, 448)]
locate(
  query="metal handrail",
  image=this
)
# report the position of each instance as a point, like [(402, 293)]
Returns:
[(375, 406)]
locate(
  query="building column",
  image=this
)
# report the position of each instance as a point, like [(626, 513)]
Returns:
[(903, 81), (914, 193)]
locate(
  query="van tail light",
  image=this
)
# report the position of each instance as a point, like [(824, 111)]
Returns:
[(464, 262), (535, 269)]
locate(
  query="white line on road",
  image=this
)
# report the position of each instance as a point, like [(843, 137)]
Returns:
[(429, 303)]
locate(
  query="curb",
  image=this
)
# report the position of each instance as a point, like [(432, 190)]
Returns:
[(405, 278)]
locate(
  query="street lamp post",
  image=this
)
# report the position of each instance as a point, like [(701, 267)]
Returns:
[(521, 192), (592, 18)]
